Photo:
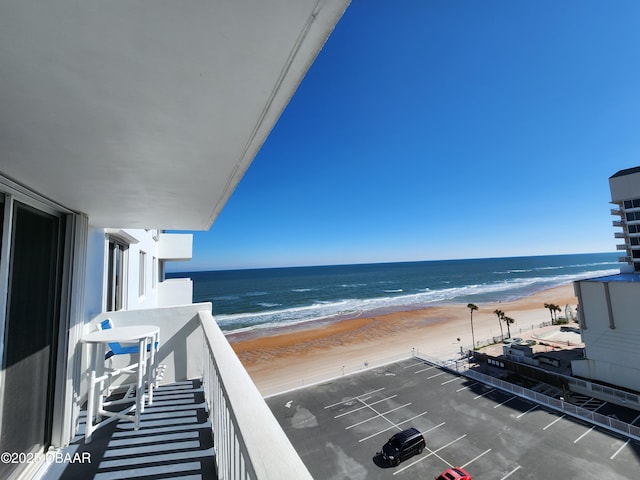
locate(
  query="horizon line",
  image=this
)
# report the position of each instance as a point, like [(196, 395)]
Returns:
[(384, 262)]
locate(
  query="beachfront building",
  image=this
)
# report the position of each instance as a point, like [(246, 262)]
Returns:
[(120, 121), (625, 194), (608, 310)]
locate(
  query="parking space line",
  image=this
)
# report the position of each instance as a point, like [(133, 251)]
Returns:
[(511, 472), (556, 420), (619, 450), (468, 386), (585, 402), (382, 415), (434, 452), (436, 375), (393, 426), (425, 369), (506, 401), (452, 380), (379, 415), (635, 420), (434, 427), (583, 435), (353, 398), (414, 365), (364, 406), (530, 410), (485, 393), (474, 459)]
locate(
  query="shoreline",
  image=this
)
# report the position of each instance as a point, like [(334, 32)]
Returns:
[(292, 355), (242, 335)]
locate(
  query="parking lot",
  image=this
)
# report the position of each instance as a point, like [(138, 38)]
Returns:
[(339, 426)]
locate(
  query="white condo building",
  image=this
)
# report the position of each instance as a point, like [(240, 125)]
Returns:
[(119, 121), (608, 308)]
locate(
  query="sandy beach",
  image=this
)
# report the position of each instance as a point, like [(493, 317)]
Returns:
[(289, 357)]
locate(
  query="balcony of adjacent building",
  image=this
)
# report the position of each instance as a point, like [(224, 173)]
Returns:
[(208, 419), (175, 291), (175, 246), (172, 247)]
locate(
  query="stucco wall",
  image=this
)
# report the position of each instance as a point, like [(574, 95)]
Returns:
[(147, 244), (613, 354), (94, 279), (626, 376)]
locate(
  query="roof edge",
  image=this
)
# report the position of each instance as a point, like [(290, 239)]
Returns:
[(626, 171)]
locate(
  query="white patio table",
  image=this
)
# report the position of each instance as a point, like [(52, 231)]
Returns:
[(143, 335)]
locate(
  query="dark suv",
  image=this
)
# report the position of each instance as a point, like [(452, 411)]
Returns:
[(403, 445)]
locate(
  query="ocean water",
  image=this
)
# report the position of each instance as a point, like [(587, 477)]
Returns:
[(250, 299)]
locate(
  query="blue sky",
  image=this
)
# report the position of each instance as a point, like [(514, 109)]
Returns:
[(444, 129)]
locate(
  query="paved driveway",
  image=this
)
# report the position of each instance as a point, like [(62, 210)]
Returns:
[(339, 426)]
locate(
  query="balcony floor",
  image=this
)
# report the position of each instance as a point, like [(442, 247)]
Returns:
[(174, 441)]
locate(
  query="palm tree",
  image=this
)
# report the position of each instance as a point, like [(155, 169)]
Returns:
[(550, 306), (508, 321), (553, 308), (471, 308), (500, 314)]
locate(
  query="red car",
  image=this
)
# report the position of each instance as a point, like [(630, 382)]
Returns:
[(455, 473)]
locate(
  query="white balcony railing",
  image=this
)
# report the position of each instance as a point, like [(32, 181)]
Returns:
[(249, 442), (175, 291), (175, 246)]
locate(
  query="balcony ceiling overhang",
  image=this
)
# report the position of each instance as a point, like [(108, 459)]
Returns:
[(146, 113)]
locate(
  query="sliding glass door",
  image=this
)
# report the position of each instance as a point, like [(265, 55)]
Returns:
[(30, 329), (116, 275)]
